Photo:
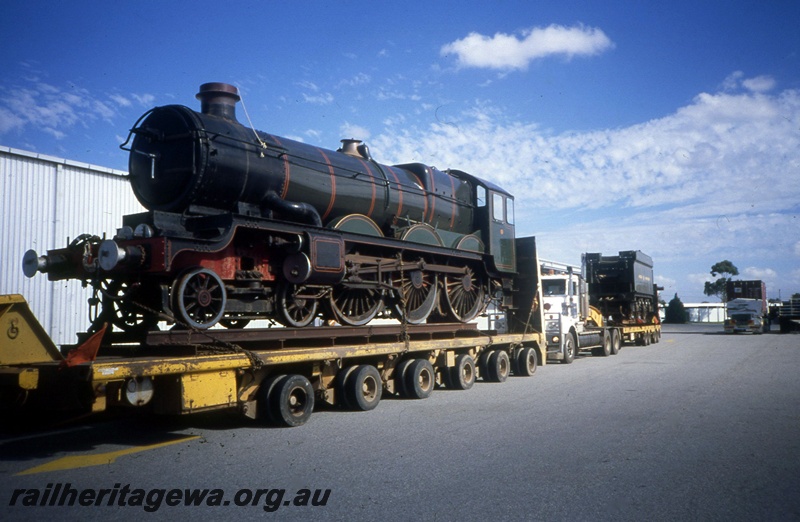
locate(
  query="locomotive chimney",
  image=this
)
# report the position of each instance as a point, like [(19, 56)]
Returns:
[(218, 99)]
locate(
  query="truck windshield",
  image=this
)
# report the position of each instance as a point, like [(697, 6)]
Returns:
[(558, 287)]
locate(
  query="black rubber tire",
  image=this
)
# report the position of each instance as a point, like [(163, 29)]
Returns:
[(263, 403), (341, 386), (420, 379), (569, 349), (447, 374), (399, 377), (363, 388), (462, 375), (615, 342), (605, 351), (525, 362), (292, 400), (483, 364), (499, 366)]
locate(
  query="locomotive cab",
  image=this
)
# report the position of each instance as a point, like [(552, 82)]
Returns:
[(494, 215)]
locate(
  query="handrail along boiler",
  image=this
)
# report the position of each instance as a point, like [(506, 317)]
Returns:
[(244, 225)]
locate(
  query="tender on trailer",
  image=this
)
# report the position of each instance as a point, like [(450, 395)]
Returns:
[(274, 374), (600, 306)]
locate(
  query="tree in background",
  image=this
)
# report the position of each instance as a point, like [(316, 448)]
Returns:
[(717, 287), (676, 312)]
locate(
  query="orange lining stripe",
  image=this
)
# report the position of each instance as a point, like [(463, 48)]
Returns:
[(432, 192), (424, 196), (453, 195), (399, 191), (372, 183), (333, 184)]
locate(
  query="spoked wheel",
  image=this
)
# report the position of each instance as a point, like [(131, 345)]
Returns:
[(119, 307), (355, 306), (199, 298), (297, 305), (418, 295), (464, 295)]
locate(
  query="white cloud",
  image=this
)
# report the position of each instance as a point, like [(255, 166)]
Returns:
[(322, 99), (505, 51), (752, 272), (145, 100), (736, 81), (120, 100), (358, 79), (311, 86), (349, 130), (759, 84)]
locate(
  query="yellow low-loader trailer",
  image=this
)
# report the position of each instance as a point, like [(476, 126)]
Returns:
[(275, 374)]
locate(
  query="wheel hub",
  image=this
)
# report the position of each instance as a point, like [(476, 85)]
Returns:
[(417, 280), (204, 298)]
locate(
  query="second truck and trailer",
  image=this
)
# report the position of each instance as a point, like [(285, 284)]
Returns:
[(608, 301), (747, 309)]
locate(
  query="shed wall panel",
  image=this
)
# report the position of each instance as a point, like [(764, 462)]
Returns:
[(45, 202)]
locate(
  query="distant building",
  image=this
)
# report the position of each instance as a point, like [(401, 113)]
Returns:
[(705, 312), (44, 201)]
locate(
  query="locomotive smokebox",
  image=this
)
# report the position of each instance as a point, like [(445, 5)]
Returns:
[(218, 99)]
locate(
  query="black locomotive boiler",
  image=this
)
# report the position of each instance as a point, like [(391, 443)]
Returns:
[(244, 225)]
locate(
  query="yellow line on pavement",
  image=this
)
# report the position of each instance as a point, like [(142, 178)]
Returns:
[(100, 459)]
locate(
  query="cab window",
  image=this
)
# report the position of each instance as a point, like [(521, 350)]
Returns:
[(510, 211), (497, 207), (480, 196)]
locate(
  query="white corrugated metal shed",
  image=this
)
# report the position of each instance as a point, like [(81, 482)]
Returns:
[(43, 201)]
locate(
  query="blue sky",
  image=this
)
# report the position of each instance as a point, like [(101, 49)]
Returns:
[(670, 127)]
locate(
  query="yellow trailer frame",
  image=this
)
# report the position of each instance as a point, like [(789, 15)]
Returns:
[(179, 384)]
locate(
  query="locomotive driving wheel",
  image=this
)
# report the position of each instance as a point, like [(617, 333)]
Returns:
[(296, 307), (199, 298), (464, 295), (355, 305), (120, 309), (418, 294)]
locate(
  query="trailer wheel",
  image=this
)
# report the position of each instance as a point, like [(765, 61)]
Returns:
[(483, 364), (615, 342), (419, 379), (400, 376), (499, 366), (462, 375), (569, 349), (606, 345), (363, 388), (526, 362), (292, 400), (263, 402), (341, 386)]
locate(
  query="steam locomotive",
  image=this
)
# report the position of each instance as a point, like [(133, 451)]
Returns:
[(244, 225)]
